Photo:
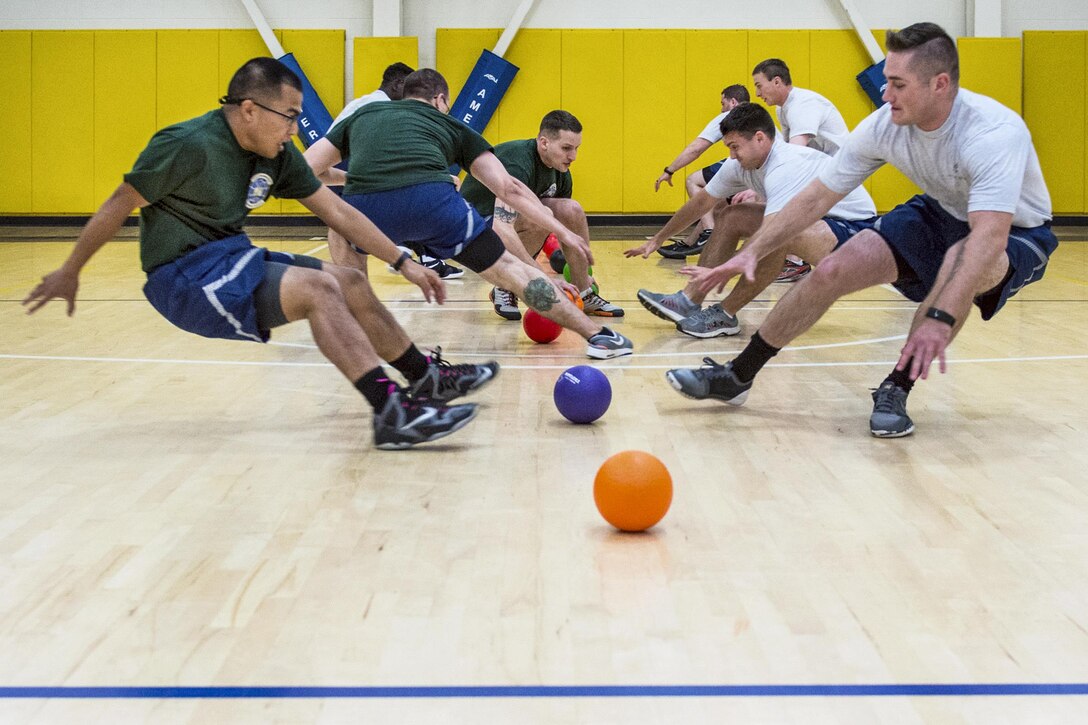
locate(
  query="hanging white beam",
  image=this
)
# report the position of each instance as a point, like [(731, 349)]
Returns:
[(986, 20), (513, 27), (264, 29), (387, 18), (865, 35)]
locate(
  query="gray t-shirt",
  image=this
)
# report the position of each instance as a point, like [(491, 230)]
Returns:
[(807, 112), (788, 169), (980, 159)]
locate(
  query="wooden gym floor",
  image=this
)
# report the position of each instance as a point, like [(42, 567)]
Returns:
[(178, 512)]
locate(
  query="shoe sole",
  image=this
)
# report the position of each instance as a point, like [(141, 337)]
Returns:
[(892, 433), (726, 331), (738, 400), (605, 313), (599, 354), (511, 316), (455, 275), (402, 445), (680, 253), (660, 310)]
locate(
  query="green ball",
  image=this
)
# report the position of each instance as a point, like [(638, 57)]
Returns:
[(566, 272)]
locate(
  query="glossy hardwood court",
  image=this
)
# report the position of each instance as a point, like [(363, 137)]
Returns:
[(182, 512)]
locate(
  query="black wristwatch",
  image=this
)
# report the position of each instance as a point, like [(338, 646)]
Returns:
[(404, 257), (669, 171), (935, 313)]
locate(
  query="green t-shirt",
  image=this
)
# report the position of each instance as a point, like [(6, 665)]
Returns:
[(402, 143), (200, 186), (523, 163)]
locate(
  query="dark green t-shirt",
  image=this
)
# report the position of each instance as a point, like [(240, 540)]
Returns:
[(402, 143), (201, 185), (523, 163)]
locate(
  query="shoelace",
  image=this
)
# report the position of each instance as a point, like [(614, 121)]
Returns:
[(712, 368), (505, 298), (887, 401), (448, 373)]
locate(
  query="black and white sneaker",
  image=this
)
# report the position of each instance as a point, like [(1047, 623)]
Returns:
[(681, 250), (404, 422), (889, 418), (445, 382), (505, 303), (607, 344), (443, 270), (710, 381)]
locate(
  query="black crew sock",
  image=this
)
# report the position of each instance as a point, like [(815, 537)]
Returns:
[(753, 358), (375, 388), (901, 378), (412, 364)]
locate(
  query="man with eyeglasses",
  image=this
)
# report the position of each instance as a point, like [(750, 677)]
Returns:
[(399, 155), (196, 182)]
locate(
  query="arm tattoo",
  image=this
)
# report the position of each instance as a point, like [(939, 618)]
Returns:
[(540, 294), (505, 215)]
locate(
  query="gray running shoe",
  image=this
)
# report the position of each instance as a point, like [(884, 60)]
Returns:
[(710, 381), (889, 418), (673, 308), (607, 344), (709, 322), (506, 304), (596, 306), (444, 381), (404, 422)]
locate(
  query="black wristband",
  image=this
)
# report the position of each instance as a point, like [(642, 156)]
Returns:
[(935, 313), (404, 257), (667, 171)]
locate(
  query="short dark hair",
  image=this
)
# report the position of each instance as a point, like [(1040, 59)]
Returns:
[(773, 67), (932, 50), (746, 119), (556, 121), (393, 80), (262, 78), (737, 92), (425, 84)]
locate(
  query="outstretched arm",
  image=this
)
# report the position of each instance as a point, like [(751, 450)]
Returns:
[(489, 171), (691, 152), (695, 207), (966, 271), (101, 228)]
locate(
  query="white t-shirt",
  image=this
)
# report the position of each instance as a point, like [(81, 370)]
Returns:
[(713, 130), (980, 159), (378, 95), (788, 169), (807, 112)]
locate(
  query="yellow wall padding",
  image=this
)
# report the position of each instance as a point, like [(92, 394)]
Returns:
[(654, 97), (536, 87), (993, 67), (374, 55), (593, 92), (456, 54), (714, 59), (124, 104), (15, 89), (188, 74), (1055, 96), (62, 130)]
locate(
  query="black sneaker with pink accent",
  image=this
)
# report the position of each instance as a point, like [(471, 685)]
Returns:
[(445, 382), (404, 422)]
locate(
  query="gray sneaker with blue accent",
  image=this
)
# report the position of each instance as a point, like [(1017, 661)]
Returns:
[(889, 418), (607, 344), (710, 321), (673, 308)]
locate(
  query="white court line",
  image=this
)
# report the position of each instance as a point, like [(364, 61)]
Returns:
[(316, 249), (252, 363), (493, 353)]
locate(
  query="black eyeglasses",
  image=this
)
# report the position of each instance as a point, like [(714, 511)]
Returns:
[(291, 117), (229, 101)]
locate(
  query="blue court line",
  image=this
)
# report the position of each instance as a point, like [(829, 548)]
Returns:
[(886, 690)]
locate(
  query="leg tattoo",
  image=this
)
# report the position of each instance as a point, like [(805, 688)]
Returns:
[(540, 294)]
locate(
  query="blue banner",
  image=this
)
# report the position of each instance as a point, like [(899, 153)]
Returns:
[(315, 119), (483, 90), (873, 83)]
